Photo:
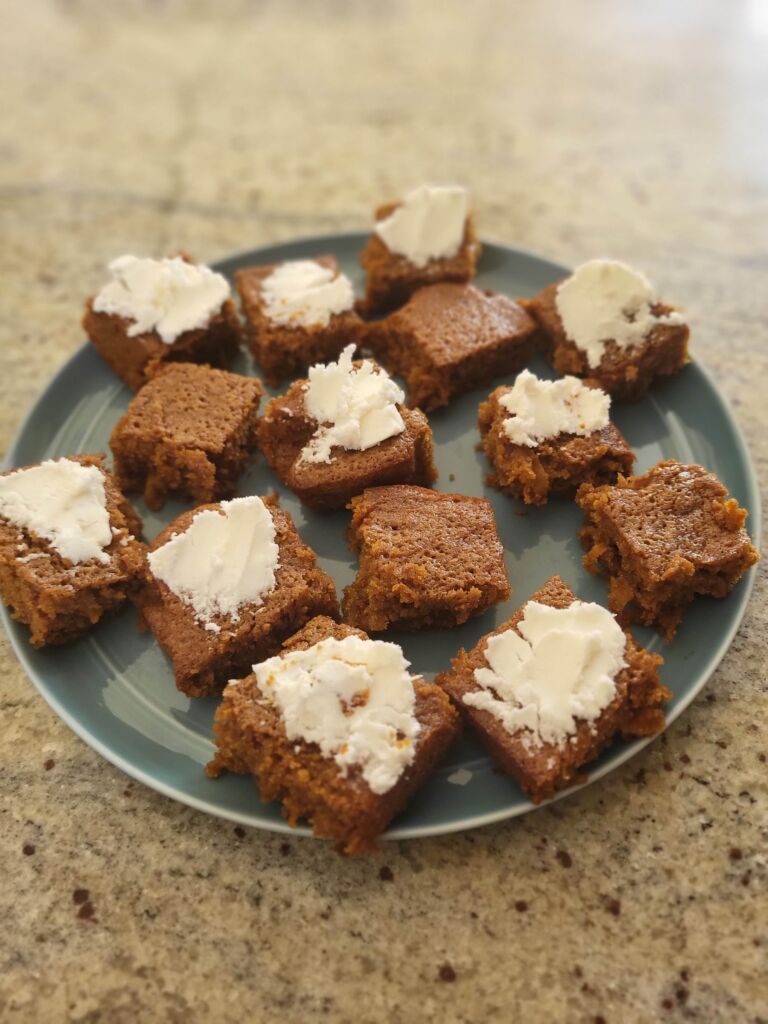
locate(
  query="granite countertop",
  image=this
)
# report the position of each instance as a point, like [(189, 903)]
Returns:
[(589, 128)]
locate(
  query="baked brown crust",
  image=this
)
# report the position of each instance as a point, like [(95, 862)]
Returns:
[(427, 559), (58, 600), (251, 740), (625, 373), (556, 466), (391, 278), (636, 710), (661, 539), (450, 338), (203, 661), (287, 427), (282, 351), (189, 433), (136, 359)]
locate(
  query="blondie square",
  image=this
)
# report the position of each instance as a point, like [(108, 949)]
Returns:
[(625, 373), (661, 539), (427, 559), (283, 349), (392, 278), (135, 359), (541, 768), (205, 655), (450, 338), (556, 466), (188, 433), (251, 735), (150, 312), (60, 600), (287, 428)]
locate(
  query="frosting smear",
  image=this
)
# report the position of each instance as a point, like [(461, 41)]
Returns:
[(226, 558), (355, 407), (63, 502), (354, 698), (168, 296), (558, 670), (540, 409), (429, 224), (605, 300), (304, 293)]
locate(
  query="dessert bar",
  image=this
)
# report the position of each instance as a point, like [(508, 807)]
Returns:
[(156, 311), (189, 433), (68, 547), (553, 686), (225, 584), (427, 559), (337, 729), (345, 429)]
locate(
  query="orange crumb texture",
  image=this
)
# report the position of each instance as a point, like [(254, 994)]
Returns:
[(636, 710), (663, 538), (250, 739)]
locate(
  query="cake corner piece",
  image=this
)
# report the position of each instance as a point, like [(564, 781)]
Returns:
[(297, 313), (545, 750), (545, 438), (342, 430), (319, 764), (189, 433), (428, 559), (425, 238), (698, 544), (69, 547), (647, 339), (214, 628), (451, 338), (152, 312)]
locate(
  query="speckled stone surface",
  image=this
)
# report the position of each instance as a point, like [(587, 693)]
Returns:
[(589, 128)]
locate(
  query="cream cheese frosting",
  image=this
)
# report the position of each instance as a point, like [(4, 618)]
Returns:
[(63, 502), (168, 296), (606, 300), (354, 698), (558, 670), (540, 409), (429, 224), (355, 407), (225, 559), (304, 293)]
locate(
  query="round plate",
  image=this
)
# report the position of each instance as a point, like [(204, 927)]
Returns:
[(115, 688)]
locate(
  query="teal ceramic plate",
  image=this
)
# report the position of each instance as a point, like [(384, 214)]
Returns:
[(115, 688)]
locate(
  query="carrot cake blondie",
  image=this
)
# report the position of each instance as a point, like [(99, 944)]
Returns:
[(450, 338), (553, 686), (427, 559), (225, 584), (342, 430), (156, 311), (189, 433), (337, 729), (605, 322), (661, 539), (425, 238), (546, 438), (68, 547), (299, 312)]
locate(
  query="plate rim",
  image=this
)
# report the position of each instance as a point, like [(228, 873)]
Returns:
[(21, 649)]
